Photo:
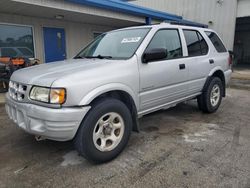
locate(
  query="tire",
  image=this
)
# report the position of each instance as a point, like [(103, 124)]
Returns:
[(93, 139), (205, 101)]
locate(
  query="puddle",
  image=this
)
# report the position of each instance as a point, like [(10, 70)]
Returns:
[(72, 158)]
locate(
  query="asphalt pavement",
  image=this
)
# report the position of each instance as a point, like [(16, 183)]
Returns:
[(178, 147)]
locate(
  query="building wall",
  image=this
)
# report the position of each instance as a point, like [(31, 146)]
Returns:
[(243, 8), (223, 16), (77, 34)]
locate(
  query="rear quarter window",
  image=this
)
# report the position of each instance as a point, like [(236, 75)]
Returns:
[(219, 46)]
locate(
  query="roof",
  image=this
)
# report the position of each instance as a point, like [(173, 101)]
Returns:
[(165, 25), (128, 8), (120, 6)]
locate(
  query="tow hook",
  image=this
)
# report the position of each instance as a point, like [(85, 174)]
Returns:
[(39, 138)]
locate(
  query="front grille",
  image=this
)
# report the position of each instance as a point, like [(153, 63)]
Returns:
[(17, 91)]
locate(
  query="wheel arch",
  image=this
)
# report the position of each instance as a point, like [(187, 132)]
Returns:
[(217, 72), (117, 91)]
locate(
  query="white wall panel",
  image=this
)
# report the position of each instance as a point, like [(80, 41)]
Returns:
[(222, 15), (243, 8)]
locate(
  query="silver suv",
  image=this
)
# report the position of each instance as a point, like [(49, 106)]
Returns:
[(96, 98)]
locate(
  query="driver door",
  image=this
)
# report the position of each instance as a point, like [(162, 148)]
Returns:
[(163, 81)]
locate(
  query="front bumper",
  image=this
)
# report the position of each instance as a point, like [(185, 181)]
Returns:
[(54, 124)]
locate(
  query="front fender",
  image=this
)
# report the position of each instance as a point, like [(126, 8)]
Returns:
[(107, 88)]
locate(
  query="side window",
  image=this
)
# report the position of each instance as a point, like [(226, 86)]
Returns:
[(168, 39), (196, 44), (219, 46), (203, 43)]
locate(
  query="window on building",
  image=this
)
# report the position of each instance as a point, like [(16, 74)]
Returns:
[(196, 44), (219, 46), (16, 41), (168, 39)]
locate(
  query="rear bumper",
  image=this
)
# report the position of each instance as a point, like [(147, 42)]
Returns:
[(227, 74), (55, 124)]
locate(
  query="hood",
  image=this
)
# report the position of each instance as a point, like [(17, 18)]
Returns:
[(46, 74)]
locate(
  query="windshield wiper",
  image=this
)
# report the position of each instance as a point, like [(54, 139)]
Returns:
[(99, 57)]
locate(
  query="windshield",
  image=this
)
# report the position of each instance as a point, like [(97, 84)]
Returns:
[(115, 45)]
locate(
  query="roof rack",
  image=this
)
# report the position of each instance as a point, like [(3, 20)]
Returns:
[(185, 23)]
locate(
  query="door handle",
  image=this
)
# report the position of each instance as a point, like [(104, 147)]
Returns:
[(182, 66), (211, 61)]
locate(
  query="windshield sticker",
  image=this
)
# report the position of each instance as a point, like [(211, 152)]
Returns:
[(131, 39)]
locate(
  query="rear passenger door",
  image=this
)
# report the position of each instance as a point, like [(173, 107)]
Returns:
[(198, 61), (163, 81), (219, 54)]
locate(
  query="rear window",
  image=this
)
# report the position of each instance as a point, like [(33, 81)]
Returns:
[(219, 46), (196, 44)]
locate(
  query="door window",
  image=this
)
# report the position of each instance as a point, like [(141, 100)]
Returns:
[(203, 44), (168, 39), (196, 44)]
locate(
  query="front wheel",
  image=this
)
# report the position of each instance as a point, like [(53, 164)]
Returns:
[(105, 131), (210, 99)]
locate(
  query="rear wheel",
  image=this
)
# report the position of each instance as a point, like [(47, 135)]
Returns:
[(210, 99), (105, 131)]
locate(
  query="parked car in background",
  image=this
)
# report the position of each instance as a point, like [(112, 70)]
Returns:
[(23, 52), (96, 98)]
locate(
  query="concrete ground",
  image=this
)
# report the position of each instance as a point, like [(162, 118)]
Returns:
[(2, 98), (241, 74), (241, 78), (179, 147)]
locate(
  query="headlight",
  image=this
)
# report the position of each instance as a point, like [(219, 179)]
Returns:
[(48, 95), (40, 94)]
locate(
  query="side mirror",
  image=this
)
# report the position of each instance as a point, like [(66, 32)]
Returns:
[(154, 54)]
